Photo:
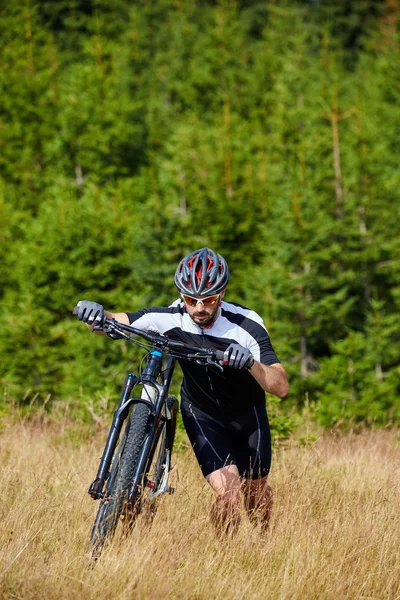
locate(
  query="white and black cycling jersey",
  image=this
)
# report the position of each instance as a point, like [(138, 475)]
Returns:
[(208, 387)]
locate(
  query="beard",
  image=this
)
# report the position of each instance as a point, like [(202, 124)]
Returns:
[(202, 318)]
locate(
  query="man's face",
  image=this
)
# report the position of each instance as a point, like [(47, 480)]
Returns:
[(203, 314)]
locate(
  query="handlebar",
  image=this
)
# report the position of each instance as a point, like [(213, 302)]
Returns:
[(200, 355)]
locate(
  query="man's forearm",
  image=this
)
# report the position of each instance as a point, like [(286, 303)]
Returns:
[(273, 379), (121, 317)]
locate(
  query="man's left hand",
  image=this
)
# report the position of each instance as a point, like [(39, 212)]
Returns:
[(238, 357)]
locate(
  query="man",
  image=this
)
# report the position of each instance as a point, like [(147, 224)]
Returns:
[(223, 412)]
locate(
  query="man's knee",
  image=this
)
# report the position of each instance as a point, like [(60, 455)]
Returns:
[(225, 482)]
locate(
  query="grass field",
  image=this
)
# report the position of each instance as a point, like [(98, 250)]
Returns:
[(335, 531)]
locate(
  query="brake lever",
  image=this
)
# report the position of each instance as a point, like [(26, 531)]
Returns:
[(215, 364), (201, 359), (111, 330)]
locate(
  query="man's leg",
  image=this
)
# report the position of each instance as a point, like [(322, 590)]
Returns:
[(225, 512), (258, 500), (253, 457)]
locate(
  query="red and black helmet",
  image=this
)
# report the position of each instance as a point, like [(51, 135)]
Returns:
[(202, 273)]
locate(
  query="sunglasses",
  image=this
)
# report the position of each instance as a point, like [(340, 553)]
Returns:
[(205, 301)]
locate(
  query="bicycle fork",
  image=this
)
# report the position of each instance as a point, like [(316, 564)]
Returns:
[(153, 395), (96, 488)]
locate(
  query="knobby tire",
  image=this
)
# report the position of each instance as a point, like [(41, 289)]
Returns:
[(120, 478), (123, 470)]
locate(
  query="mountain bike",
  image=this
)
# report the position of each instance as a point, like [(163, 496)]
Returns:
[(135, 464)]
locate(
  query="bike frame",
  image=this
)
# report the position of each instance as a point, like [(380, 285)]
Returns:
[(155, 383), (154, 396)]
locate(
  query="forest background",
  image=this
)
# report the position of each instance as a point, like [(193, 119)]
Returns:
[(135, 131)]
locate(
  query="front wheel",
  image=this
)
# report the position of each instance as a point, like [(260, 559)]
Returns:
[(120, 478), (155, 478)]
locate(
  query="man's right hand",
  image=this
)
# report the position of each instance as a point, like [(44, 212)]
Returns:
[(89, 312)]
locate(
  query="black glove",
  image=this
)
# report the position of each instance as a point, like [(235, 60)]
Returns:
[(91, 313), (238, 357)]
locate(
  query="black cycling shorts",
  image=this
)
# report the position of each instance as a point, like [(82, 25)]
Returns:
[(242, 439)]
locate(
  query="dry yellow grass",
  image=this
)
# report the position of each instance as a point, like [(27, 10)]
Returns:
[(335, 532)]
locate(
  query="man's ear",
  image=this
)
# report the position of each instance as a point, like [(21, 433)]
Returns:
[(222, 294)]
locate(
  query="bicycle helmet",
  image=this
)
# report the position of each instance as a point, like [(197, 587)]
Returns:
[(202, 273)]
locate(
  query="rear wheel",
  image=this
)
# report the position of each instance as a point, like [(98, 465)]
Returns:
[(120, 478)]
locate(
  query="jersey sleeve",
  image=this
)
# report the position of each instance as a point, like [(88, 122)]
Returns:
[(142, 319), (262, 340), (247, 328), (266, 350), (158, 318)]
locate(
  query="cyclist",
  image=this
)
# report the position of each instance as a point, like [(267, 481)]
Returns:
[(224, 413)]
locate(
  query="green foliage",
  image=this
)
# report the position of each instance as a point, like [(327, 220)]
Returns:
[(132, 132)]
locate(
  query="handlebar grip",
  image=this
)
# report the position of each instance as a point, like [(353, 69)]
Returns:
[(219, 354), (76, 310)]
